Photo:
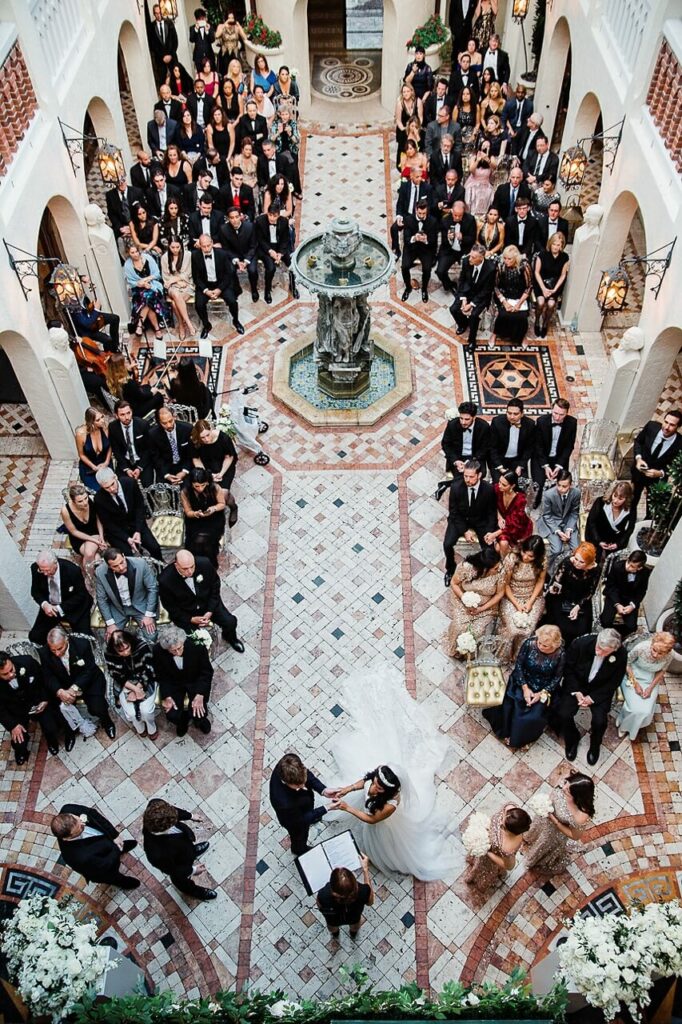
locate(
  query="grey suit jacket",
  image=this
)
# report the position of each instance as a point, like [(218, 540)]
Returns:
[(144, 590), (552, 518)]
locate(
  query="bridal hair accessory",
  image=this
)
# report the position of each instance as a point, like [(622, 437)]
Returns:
[(382, 778), (476, 836)]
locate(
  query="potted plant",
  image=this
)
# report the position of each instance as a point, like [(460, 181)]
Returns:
[(432, 35), (261, 39), (670, 621), (665, 510)]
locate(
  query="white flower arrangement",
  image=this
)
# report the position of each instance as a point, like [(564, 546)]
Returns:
[(466, 643), (294, 72), (283, 1008), (521, 620), (225, 421), (541, 805), (202, 637), (613, 960), (476, 836), (470, 599), (51, 956), (452, 413)]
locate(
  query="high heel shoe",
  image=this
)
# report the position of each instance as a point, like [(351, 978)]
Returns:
[(138, 330)]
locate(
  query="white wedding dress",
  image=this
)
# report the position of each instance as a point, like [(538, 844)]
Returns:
[(389, 727)]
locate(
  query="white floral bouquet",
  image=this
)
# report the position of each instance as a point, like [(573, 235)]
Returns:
[(225, 421), (521, 620), (202, 637), (541, 804), (51, 956), (470, 599), (452, 413), (294, 72), (466, 643), (476, 836)]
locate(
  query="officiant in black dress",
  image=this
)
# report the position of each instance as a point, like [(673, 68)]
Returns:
[(292, 795)]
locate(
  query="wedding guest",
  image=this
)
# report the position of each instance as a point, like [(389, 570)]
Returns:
[(472, 512), (513, 522), (144, 232), (191, 138), (611, 520), (523, 604), (184, 674), (58, 588), (178, 169), (554, 441), (188, 388), (342, 900), (656, 446), (646, 668), (506, 831), (90, 846), (512, 291), (418, 74), (547, 848), (473, 294), (511, 440), (263, 75), (484, 23), (478, 189), (465, 437), (482, 576), (172, 446), (230, 102), (568, 596), (127, 588), (173, 227), (203, 506), (169, 847), (292, 789), (92, 444), (148, 299), (550, 268), (130, 444), (215, 452), (286, 89), (176, 268), (24, 698), (625, 587), (71, 674), (491, 233), (121, 509), (189, 589), (522, 717), (123, 382), (231, 38), (130, 664), (558, 521)]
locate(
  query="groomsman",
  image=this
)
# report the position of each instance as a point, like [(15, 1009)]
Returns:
[(553, 444), (474, 292), (89, 844), (472, 513), (656, 446), (511, 441), (292, 795), (465, 437), (169, 847)]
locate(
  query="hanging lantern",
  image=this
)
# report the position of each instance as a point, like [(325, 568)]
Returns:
[(520, 10), (66, 284), (613, 290), (573, 167), (169, 8), (110, 164)]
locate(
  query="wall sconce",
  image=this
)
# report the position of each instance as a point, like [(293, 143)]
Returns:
[(27, 266), (109, 157), (66, 284), (519, 13), (614, 283), (169, 8), (575, 160)]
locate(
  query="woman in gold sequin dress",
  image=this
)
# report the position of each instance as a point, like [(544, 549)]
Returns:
[(506, 832), (552, 840)]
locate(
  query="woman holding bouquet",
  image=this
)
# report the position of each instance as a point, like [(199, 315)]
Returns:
[(477, 589), (537, 674), (523, 603), (492, 845), (568, 812)]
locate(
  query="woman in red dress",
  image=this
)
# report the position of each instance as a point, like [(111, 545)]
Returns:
[(513, 523)]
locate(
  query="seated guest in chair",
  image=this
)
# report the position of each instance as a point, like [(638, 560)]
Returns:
[(214, 278), (129, 437), (553, 444), (273, 248), (625, 588), (511, 440), (458, 234), (126, 589), (90, 846), (71, 673), (130, 662), (58, 588), (171, 442), (121, 511), (472, 513), (473, 294), (558, 522), (24, 698), (409, 194), (465, 437), (611, 520), (169, 847), (189, 590), (184, 673)]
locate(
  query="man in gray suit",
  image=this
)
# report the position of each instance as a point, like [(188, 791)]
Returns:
[(558, 521), (127, 588)]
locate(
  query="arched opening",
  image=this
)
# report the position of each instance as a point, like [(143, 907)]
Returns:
[(345, 47), (97, 123), (60, 236), (588, 122), (127, 105), (555, 81), (663, 369), (623, 235), (20, 435), (135, 69)]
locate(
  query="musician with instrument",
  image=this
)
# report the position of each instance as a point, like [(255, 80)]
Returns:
[(89, 321)]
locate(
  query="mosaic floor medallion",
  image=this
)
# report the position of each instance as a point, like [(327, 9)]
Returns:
[(350, 77), (495, 377)]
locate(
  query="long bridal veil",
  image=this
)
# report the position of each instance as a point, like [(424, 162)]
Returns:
[(388, 727)]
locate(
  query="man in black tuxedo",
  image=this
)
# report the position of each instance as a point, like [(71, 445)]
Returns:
[(506, 195), (270, 163), (184, 673), (656, 446), (199, 104), (205, 221), (70, 673), (24, 698), (625, 588), (461, 19), (472, 513), (157, 196), (511, 441), (189, 590), (465, 437), (58, 588), (438, 97), (273, 248), (251, 125), (449, 193), (443, 159), (541, 163), (89, 845), (553, 222), (161, 132), (141, 172), (217, 167), (194, 191), (523, 230), (462, 77), (129, 437), (121, 511), (235, 194), (163, 42), (121, 201), (473, 294), (171, 444), (292, 795), (214, 278), (553, 444), (201, 38), (515, 113), (458, 234), (409, 194), (595, 666), (498, 60), (170, 847), (238, 239), (528, 136), (420, 242), (171, 107)]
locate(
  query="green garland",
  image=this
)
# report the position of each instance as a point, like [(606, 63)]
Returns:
[(511, 1001)]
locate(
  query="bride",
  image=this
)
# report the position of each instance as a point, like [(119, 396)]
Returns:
[(399, 826)]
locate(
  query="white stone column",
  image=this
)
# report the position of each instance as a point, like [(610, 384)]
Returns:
[(182, 29), (585, 245), (105, 264), (664, 578), (17, 610), (620, 377), (63, 370)]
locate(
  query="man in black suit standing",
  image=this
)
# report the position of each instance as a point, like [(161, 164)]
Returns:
[(89, 845), (553, 444), (163, 42), (129, 437), (170, 847), (461, 19), (273, 248), (472, 513), (171, 443), (238, 239), (473, 294), (292, 789), (511, 441), (70, 673), (205, 221), (420, 242), (625, 588), (24, 698), (465, 437), (523, 230), (506, 195), (184, 673), (201, 38), (409, 194), (516, 111), (200, 105), (553, 222), (214, 278), (121, 201), (121, 511), (58, 588), (595, 666), (498, 60), (189, 590), (656, 446), (458, 234)]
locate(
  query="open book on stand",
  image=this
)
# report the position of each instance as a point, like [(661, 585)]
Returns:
[(317, 864)]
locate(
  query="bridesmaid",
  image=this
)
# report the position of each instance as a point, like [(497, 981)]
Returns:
[(506, 832), (523, 593), (549, 839)]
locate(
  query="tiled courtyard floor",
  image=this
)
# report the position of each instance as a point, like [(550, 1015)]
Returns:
[(336, 562)]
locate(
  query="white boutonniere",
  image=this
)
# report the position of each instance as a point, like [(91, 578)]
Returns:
[(80, 662), (70, 590), (22, 671), (199, 579), (612, 659), (83, 818)]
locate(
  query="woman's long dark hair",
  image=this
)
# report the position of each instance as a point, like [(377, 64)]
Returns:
[(536, 545), (581, 788), (271, 188), (511, 478), (187, 387), (174, 267), (376, 803), (199, 475), (483, 560)]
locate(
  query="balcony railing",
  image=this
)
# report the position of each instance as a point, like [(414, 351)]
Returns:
[(626, 21), (664, 101), (59, 25), (18, 105)]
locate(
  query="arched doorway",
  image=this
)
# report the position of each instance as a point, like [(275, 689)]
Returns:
[(135, 70), (623, 235), (555, 83), (60, 236), (97, 123), (127, 105), (345, 47)]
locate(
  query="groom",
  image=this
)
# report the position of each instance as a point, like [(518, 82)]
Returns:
[(292, 795)]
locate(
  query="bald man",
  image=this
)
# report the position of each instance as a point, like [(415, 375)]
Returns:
[(189, 590), (58, 588)]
